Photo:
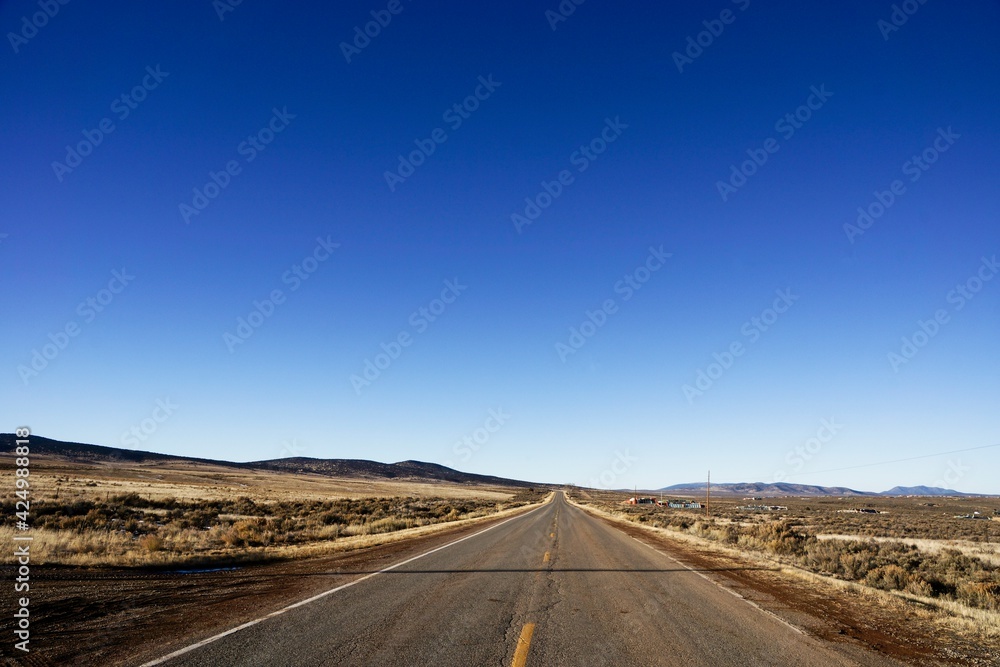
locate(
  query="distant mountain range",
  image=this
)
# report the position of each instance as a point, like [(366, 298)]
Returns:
[(342, 468), (785, 489), (922, 491), (419, 470)]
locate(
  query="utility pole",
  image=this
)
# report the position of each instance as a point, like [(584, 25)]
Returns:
[(708, 495)]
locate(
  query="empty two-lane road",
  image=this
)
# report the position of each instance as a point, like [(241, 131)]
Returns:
[(554, 586)]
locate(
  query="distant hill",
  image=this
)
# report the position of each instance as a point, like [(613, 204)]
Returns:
[(763, 489), (343, 468), (921, 491), (374, 469)]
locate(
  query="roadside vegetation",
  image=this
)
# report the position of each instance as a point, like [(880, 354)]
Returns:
[(911, 546), (135, 530)]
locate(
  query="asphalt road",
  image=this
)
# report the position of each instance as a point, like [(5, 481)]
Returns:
[(554, 586)]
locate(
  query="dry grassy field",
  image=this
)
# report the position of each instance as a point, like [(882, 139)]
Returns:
[(193, 513), (913, 547)]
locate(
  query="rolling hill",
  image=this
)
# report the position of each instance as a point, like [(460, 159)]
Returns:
[(921, 491), (777, 489), (341, 468)]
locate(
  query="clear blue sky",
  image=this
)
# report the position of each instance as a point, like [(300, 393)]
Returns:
[(329, 121)]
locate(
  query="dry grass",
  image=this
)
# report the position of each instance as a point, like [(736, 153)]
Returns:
[(899, 550), (93, 548), (55, 476), (95, 514), (986, 551)]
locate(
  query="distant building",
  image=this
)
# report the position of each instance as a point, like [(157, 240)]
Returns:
[(684, 505)]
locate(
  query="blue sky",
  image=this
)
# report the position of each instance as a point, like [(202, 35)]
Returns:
[(281, 143)]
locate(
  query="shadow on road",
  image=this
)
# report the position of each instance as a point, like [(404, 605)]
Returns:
[(631, 570), (248, 573)]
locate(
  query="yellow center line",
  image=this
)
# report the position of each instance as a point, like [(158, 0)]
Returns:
[(545, 558), (523, 643)]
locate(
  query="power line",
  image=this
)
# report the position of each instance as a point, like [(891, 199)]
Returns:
[(882, 463)]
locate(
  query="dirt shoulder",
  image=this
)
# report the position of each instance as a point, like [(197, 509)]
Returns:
[(834, 611), (118, 616)]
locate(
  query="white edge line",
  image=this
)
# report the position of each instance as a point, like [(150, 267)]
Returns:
[(709, 579), (204, 642), (716, 583)]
